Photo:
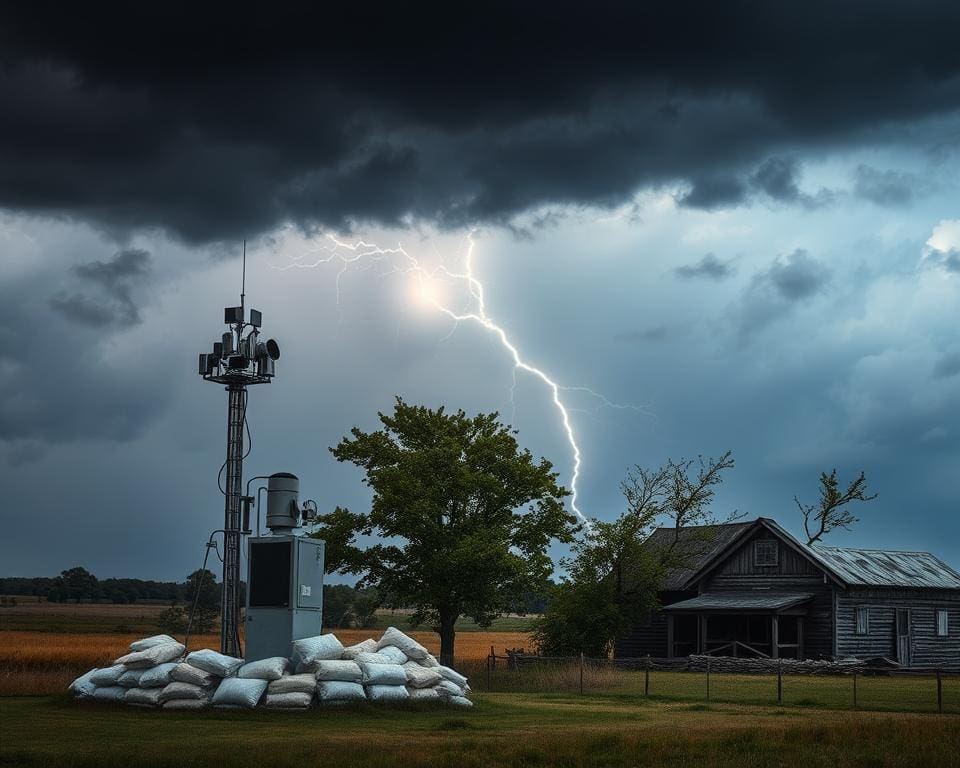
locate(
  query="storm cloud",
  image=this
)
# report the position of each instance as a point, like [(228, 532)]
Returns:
[(213, 126)]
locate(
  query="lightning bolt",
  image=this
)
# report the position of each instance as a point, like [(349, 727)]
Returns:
[(365, 256)]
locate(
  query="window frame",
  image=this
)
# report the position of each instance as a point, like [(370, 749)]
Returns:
[(937, 613), (775, 548), (864, 611)]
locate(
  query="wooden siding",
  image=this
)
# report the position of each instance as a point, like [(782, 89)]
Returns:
[(649, 638), (926, 648), (818, 624), (790, 563)]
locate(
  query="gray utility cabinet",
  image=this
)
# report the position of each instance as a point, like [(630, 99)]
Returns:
[(284, 593)]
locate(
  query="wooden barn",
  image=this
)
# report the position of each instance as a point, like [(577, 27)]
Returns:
[(751, 589)]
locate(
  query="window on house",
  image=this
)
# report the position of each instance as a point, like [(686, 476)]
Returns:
[(863, 621), (943, 628), (765, 553)]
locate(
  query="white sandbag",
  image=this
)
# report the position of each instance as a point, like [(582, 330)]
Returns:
[(446, 688), (186, 704), (109, 693), (408, 645), (386, 693), (287, 700), (460, 701), (423, 694), (148, 697), (383, 674), (149, 642), (264, 669), (187, 673), (158, 676), (107, 676), (421, 677), (83, 687), (293, 684), (215, 663), (241, 692), (452, 675), (393, 653), (318, 648), (429, 661), (372, 658), (338, 669), (366, 646), (130, 678), (329, 691), (157, 654), (177, 690)]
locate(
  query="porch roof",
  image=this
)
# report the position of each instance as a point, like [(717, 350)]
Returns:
[(740, 601)]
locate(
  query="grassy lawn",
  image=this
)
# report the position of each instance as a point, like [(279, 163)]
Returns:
[(502, 729)]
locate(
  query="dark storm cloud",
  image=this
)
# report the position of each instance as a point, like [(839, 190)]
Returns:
[(890, 189), (116, 280), (709, 266), (798, 277), (947, 366), (214, 125)]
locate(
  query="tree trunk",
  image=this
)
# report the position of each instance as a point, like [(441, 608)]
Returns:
[(447, 637)]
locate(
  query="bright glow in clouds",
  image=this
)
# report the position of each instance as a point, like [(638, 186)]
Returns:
[(946, 236), (433, 287)]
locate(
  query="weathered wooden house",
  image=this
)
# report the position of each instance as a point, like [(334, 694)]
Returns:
[(752, 589)]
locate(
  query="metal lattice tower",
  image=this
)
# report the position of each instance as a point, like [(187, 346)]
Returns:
[(237, 361)]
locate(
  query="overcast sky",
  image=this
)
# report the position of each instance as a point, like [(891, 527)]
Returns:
[(741, 222)]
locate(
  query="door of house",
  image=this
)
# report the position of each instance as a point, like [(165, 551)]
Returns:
[(903, 636)]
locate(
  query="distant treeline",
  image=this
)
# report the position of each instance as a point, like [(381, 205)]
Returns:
[(79, 585)]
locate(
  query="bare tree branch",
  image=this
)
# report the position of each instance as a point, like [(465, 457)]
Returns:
[(829, 514)]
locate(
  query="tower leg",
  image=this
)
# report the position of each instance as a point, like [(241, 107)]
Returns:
[(230, 603)]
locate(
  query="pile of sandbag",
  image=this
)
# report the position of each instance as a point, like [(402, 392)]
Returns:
[(395, 668)]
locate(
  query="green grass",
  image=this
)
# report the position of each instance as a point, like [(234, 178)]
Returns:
[(502, 730)]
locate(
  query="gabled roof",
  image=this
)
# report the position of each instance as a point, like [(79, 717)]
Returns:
[(700, 544), (887, 568)]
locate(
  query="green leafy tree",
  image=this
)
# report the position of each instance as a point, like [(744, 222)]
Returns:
[(464, 517), (613, 576), (78, 584)]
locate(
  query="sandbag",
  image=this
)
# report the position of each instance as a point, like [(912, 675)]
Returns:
[(293, 684), (408, 645), (109, 693), (372, 658), (156, 654), (149, 642), (329, 691), (383, 674), (366, 646), (130, 678), (446, 688), (429, 661), (215, 663), (186, 704), (287, 700), (393, 653), (386, 693), (83, 687), (107, 676), (264, 669), (158, 676), (423, 694), (242, 692), (420, 677), (333, 669), (312, 649), (148, 697), (187, 673), (452, 675), (177, 690), (460, 701)]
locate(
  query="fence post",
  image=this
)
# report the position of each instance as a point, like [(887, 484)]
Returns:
[(780, 681), (581, 673), (646, 676), (854, 689), (490, 660), (939, 691), (708, 678)]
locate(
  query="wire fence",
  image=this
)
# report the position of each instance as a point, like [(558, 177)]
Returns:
[(833, 685)]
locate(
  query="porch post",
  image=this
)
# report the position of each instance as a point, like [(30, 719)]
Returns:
[(800, 654), (669, 635), (774, 636), (703, 633)]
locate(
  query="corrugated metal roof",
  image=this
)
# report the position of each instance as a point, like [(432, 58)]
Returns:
[(739, 601), (698, 545), (887, 568)]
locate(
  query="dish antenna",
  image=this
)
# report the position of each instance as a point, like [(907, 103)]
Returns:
[(238, 360)]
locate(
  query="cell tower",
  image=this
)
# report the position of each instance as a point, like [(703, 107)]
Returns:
[(237, 361)]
